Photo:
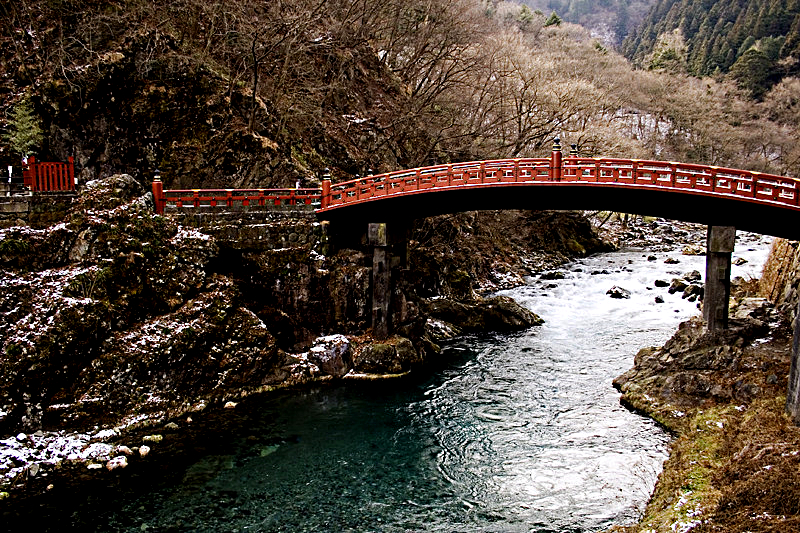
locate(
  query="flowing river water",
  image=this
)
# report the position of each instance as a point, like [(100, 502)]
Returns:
[(520, 432)]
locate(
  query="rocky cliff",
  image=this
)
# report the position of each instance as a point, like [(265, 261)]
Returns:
[(781, 276), (116, 319)]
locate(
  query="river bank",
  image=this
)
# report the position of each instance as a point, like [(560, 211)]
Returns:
[(733, 466)]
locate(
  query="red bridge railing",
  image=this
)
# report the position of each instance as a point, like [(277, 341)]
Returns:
[(49, 176), (197, 198), (683, 177), (643, 174)]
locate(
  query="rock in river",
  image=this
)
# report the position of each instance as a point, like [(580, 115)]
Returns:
[(619, 293), (497, 313)]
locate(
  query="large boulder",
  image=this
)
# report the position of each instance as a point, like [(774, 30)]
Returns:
[(693, 368), (332, 355), (619, 293), (497, 313), (394, 356)]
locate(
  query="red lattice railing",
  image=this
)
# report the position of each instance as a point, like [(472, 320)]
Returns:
[(682, 177)]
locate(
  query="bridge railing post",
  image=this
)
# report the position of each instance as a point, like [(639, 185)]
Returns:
[(158, 193), (555, 161), (325, 200)]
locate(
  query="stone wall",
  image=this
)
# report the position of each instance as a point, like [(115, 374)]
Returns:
[(255, 229), (37, 210)]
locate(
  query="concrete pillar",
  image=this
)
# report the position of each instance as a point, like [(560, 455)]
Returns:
[(719, 247), (376, 235), (793, 393)]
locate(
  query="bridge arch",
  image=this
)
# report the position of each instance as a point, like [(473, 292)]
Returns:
[(715, 196)]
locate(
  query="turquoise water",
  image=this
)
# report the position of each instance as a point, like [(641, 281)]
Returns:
[(520, 432)]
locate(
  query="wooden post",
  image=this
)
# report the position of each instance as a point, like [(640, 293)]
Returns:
[(326, 190), (719, 246), (381, 292), (555, 161), (29, 173), (71, 173), (158, 194), (793, 392)]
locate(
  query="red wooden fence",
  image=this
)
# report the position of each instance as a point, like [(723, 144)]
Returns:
[(196, 198), (49, 176)]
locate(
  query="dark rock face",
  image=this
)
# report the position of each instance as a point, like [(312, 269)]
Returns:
[(498, 313), (118, 313), (695, 366)]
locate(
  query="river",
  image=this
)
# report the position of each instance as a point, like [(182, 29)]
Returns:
[(520, 432)]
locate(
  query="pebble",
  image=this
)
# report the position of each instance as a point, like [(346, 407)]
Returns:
[(144, 450)]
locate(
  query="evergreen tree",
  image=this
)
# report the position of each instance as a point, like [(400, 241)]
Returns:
[(553, 20), (525, 16), (24, 133), (754, 72)]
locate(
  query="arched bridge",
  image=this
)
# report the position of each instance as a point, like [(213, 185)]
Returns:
[(717, 196), (723, 198)]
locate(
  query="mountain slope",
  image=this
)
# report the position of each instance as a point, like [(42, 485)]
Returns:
[(757, 41)]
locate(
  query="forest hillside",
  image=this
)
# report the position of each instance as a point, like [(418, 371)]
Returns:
[(756, 41), (220, 94), (609, 20)]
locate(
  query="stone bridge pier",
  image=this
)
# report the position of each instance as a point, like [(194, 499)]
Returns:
[(388, 246), (719, 247)]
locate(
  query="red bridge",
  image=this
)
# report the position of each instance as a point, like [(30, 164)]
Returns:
[(748, 200)]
